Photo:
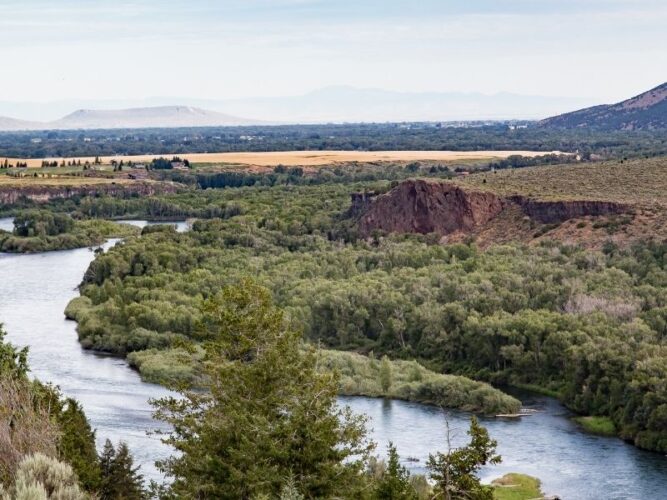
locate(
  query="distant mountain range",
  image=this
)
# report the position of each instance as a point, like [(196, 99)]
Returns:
[(331, 104), (159, 116), (647, 111), (343, 104)]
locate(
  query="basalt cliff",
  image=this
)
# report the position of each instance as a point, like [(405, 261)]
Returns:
[(11, 194), (452, 210)]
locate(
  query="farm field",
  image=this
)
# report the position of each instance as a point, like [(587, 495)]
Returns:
[(304, 158)]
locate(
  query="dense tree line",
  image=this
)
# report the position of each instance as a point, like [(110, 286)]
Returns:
[(43, 231), (373, 137)]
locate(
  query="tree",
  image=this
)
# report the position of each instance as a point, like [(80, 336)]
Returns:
[(385, 374), (455, 472), (77, 444), (267, 413), (395, 481), (120, 479), (13, 361)]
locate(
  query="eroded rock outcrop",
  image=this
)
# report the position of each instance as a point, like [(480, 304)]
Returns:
[(550, 212), (44, 193), (431, 206), (425, 206)]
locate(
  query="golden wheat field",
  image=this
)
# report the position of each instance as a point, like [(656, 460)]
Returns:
[(304, 158)]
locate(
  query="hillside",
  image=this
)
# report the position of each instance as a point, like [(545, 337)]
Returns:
[(589, 205), (161, 116), (150, 117), (647, 111), (12, 124)]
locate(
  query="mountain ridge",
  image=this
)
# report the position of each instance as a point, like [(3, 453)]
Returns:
[(645, 111)]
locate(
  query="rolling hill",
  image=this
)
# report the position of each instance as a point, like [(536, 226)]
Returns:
[(147, 117), (647, 111), (14, 125)]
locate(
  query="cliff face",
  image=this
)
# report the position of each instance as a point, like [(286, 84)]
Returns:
[(428, 206), (421, 206), (42, 194), (549, 212), (361, 202)]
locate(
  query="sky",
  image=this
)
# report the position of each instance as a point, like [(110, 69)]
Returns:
[(605, 50)]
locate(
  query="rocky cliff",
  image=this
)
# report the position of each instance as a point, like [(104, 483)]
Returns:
[(425, 206), (549, 212), (430, 206), (44, 193)]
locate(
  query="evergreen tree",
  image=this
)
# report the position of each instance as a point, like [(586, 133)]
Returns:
[(268, 413), (77, 444), (120, 479), (395, 481), (455, 472)]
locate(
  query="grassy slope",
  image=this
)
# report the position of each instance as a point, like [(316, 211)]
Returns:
[(603, 426), (642, 182), (516, 487)]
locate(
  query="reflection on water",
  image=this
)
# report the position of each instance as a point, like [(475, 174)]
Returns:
[(7, 223), (34, 290), (570, 463)]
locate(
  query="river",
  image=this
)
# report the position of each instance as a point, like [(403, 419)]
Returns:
[(35, 288)]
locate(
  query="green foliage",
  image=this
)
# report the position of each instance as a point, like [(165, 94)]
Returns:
[(266, 414), (454, 472), (43, 478), (39, 427), (40, 223), (365, 136), (42, 231), (119, 478), (77, 444), (587, 326), (597, 425), (360, 376), (395, 481), (13, 361), (386, 379), (516, 487)]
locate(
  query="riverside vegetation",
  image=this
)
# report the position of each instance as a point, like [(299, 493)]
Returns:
[(585, 325), (43, 231), (267, 425)]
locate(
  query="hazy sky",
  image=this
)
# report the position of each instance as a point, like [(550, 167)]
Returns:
[(605, 49)]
